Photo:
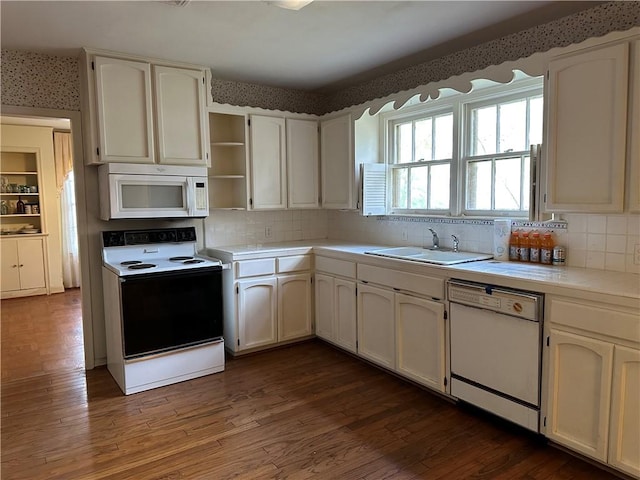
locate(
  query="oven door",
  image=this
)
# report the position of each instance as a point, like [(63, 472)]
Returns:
[(170, 310)]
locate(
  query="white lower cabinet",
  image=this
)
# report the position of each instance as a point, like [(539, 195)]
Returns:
[(336, 311), (593, 399), (294, 306), (273, 302), (376, 325), (420, 340), (23, 271), (624, 433), (257, 307), (579, 393)]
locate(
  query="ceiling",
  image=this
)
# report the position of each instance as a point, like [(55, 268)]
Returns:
[(326, 46)]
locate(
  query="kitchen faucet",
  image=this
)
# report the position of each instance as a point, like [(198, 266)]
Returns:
[(436, 240), (456, 243)]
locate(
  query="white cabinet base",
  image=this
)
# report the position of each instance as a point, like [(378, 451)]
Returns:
[(142, 374)]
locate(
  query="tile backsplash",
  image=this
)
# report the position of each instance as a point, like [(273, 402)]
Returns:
[(235, 227), (602, 242)]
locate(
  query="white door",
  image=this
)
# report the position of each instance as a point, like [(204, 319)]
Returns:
[(268, 163), (420, 340), (376, 332), (180, 100), (125, 121), (587, 124), (10, 265), (302, 163), (337, 163), (257, 320), (624, 436), (579, 393), (294, 306), (31, 256), (346, 331), (325, 306)]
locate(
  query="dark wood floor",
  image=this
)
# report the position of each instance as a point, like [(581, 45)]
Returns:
[(306, 411)]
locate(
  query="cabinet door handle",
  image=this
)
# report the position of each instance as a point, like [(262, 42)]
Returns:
[(21, 265), (14, 266)]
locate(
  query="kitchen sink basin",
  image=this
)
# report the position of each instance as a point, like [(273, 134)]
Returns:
[(440, 256)]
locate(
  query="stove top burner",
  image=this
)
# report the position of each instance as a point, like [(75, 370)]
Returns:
[(180, 259), (140, 266), (193, 260), (130, 262)]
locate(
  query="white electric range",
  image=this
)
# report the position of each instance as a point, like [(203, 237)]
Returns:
[(163, 308)]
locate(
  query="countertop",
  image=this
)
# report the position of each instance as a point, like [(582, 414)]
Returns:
[(588, 283)]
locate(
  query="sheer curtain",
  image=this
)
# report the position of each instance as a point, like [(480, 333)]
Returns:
[(66, 189)]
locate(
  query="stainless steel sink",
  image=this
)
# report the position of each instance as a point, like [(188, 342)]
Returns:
[(439, 256)]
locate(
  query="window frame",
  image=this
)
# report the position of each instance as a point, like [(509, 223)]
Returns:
[(460, 104), (412, 115)]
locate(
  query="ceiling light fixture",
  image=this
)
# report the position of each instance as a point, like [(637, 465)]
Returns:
[(290, 4)]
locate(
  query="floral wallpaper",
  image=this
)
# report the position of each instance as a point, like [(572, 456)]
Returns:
[(594, 22), (32, 79), (39, 80)]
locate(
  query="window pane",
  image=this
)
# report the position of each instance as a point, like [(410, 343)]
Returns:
[(508, 177), (535, 120), (424, 140), (526, 181), (444, 137), (419, 184), (513, 126), (484, 130), (399, 178), (439, 198), (479, 185), (404, 141)]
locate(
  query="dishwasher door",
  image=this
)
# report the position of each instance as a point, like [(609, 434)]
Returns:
[(496, 351), (495, 339)]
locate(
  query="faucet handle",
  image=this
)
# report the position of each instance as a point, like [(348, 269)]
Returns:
[(456, 243)]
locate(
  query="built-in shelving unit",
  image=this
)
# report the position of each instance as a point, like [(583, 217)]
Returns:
[(228, 172), (19, 181)]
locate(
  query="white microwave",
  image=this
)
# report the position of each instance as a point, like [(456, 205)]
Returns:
[(152, 191)]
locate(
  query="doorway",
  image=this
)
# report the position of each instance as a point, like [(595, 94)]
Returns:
[(52, 333)]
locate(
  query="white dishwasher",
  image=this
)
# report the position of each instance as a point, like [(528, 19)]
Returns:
[(496, 345)]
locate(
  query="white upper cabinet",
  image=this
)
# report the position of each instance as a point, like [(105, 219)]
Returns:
[(284, 163), (181, 122), (586, 130), (302, 163), (337, 161), (268, 163), (142, 112), (123, 102)]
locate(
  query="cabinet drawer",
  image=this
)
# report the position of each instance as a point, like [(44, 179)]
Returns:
[(597, 318), (336, 267), (252, 268), (410, 282), (294, 263)]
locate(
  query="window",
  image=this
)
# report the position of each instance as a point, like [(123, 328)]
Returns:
[(467, 153), (496, 160), (422, 153)]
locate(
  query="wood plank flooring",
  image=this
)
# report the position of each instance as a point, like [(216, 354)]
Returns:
[(307, 411)]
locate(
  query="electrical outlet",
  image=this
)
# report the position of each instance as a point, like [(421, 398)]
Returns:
[(405, 233), (267, 232), (636, 254)]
